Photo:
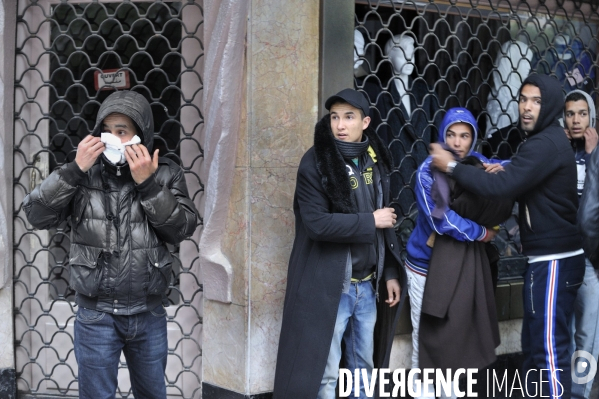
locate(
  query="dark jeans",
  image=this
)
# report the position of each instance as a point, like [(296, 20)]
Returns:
[(99, 339), (550, 289)]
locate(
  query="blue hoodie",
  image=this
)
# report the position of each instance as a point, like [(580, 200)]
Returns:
[(452, 224)]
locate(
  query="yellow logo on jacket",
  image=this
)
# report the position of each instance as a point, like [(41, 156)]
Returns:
[(353, 180), (368, 176)]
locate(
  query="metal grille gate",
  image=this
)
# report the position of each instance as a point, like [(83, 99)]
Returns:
[(60, 44), (467, 53)]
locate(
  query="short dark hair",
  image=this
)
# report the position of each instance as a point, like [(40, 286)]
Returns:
[(576, 96), (340, 101)]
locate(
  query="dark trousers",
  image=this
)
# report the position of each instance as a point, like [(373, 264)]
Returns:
[(550, 289)]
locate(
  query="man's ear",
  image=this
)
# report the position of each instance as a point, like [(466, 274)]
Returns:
[(365, 122)]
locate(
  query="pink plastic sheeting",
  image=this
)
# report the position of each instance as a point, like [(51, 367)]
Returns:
[(225, 24)]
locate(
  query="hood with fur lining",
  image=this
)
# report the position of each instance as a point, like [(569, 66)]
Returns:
[(332, 169)]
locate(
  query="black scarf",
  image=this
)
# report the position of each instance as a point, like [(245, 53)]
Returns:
[(351, 150), (332, 167)]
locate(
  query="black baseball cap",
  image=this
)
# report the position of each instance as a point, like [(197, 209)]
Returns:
[(352, 97)]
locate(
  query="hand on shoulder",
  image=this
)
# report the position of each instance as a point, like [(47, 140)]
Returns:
[(493, 167), (441, 158)]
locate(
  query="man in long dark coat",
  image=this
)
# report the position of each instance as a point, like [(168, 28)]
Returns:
[(345, 248)]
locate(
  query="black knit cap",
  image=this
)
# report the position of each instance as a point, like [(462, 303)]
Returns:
[(350, 96)]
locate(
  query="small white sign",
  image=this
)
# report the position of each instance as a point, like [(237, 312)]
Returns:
[(111, 79)]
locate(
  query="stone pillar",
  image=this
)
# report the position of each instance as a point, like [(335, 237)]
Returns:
[(8, 21), (278, 113)]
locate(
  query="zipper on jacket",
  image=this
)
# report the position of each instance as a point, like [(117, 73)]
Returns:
[(109, 222), (122, 196), (532, 306), (118, 239), (365, 199), (118, 170), (375, 282), (527, 213)]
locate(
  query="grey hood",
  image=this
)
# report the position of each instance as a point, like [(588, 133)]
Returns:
[(133, 105), (591, 103)]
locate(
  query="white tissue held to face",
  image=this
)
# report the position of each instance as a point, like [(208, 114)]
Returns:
[(115, 149)]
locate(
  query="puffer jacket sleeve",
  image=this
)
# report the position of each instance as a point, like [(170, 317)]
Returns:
[(588, 211), (49, 203), (166, 202)]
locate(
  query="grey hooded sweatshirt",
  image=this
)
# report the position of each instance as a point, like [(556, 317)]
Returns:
[(119, 262), (578, 145)]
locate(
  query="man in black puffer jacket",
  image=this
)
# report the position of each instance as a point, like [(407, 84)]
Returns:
[(123, 211)]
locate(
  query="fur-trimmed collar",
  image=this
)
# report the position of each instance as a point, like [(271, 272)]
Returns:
[(332, 169)]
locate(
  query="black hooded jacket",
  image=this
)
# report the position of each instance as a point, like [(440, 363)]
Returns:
[(541, 177), (119, 261)]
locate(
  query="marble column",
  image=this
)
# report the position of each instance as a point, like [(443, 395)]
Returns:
[(278, 112)]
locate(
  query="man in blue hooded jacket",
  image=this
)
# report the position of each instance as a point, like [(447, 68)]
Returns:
[(542, 178), (459, 132)]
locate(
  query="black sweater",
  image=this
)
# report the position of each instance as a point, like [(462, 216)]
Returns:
[(541, 176)]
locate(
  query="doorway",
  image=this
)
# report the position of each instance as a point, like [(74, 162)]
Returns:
[(61, 49)]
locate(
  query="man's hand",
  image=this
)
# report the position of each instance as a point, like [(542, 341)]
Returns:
[(141, 164), (568, 135), (440, 157), (384, 218), (491, 233), (493, 167), (88, 150), (590, 139), (393, 292)]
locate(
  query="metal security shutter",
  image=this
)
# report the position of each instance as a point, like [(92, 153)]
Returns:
[(471, 54), (61, 48)]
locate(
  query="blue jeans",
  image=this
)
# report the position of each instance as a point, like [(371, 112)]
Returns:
[(355, 322), (586, 325), (99, 339), (550, 289)]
